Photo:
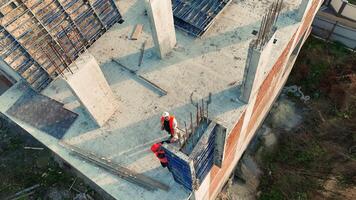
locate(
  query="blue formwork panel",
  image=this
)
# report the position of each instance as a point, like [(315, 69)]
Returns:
[(190, 168), (204, 158), (180, 168)]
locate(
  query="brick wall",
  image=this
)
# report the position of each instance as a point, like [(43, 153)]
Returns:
[(265, 96)]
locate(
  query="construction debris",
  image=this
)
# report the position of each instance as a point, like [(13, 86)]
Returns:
[(34, 148)]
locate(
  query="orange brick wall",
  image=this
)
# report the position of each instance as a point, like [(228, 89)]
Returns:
[(230, 150), (267, 91)]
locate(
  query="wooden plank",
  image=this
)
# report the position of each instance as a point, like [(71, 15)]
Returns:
[(125, 173), (137, 32)]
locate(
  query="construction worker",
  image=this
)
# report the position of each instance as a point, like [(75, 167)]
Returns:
[(169, 124), (158, 151)]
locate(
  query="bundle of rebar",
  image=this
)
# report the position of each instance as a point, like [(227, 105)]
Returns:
[(268, 23), (201, 113)]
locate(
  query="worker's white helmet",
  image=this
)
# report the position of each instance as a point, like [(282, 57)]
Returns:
[(165, 114)]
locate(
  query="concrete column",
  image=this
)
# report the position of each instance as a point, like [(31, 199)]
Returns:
[(162, 25), (302, 8), (89, 85), (256, 63)]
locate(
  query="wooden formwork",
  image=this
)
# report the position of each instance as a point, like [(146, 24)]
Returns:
[(39, 39)]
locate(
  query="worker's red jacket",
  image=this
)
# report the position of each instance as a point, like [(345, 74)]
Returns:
[(156, 149), (171, 124)]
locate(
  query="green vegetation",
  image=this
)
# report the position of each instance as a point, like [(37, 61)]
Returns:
[(323, 148), (352, 2), (21, 169)]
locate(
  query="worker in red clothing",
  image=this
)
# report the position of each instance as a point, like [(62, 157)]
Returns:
[(169, 124), (158, 151)]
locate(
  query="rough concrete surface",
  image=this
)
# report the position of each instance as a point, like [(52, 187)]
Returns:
[(213, 64), (90, 87)]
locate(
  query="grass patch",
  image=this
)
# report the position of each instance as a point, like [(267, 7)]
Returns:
[(318, 61), (312, 154)]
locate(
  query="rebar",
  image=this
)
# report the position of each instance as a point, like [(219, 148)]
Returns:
[(268, 23), (202, 106), (191, 123), (197, 107), (71, 42)]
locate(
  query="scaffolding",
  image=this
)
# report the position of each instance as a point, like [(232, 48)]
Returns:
[(39, 39)]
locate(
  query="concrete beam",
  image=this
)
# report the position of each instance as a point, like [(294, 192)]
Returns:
[(257, 60), (162, 25), (89, 85), (302, 8)]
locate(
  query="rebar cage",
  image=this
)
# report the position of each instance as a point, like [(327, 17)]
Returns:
[(39, 39)]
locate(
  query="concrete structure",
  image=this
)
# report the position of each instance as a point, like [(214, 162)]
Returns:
[(90, 87), (336, 21), (162, 26), (214, 64), (256, 64)]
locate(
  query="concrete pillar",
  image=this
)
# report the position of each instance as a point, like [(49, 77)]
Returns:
[(302, 8), (256, 63), (89, 85), (162, 25)]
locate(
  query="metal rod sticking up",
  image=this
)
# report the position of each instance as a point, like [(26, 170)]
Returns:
[(191, 123), (60, 57), (268, 23), (53, 62)]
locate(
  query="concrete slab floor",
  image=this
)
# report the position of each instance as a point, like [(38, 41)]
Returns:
[(213, 64)]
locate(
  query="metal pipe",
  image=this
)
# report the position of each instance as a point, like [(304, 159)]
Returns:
[(191, 123)]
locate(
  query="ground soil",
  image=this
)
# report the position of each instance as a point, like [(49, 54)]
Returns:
[(317, 159), (21, 168)]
